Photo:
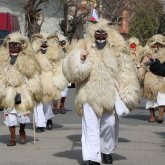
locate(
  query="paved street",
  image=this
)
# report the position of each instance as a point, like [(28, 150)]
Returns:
[(140, 142)]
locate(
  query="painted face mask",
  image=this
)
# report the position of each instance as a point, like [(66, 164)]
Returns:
[(14, 50), (133, 46), (100, 39), (44, 47)]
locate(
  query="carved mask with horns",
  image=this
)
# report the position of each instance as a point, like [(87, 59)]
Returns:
[(44, 41)]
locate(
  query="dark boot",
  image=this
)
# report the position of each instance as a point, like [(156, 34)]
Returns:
[(12, 136), (55, 107), (49, 124), (40, 129), (152, 115), (22, 134), (161, 114), (62, 106), (106, 158)]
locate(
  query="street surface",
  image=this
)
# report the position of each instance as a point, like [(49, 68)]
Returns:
[(140, 142)]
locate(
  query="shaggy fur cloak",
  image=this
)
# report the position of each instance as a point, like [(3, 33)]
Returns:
[(52, 77), (152, 83), (22, 77), (103, 72)]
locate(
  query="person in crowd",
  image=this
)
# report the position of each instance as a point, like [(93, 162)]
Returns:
[(154, 86), (64, 46), (106, 86), (136, 49), (49, 54), (20, 84)]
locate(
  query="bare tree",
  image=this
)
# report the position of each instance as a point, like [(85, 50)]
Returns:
[(75, 15), (112, 9), (32, 17), (147, 19)]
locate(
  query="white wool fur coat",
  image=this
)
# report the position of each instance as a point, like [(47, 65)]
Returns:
[(52, 77), (103, 72), (22, 77)]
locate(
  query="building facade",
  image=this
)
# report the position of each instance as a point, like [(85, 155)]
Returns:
[(52, 12)]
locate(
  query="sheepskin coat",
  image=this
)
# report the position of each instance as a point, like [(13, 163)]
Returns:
[(52, 77), (103, 72), (153, 83), (21, 77)]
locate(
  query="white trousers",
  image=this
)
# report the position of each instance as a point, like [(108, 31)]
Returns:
[(99, 135), (12, 118), (43, 112), (40, 120), (47, 107), (64, 92), (160, 100)]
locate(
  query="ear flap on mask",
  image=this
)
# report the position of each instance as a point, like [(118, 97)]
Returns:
[(53, 36), (110, 23), (5, 41), (36, 35), (150, 41), (24, 43)]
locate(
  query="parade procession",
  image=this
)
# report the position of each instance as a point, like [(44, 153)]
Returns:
[(82, 82)]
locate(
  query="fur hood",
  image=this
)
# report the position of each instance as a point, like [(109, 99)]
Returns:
[(114, 39), (18, 37), (133, 40), (53, 52), (158, 38), (26, 62)]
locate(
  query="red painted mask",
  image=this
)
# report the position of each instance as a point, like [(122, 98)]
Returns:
[(133, 46)]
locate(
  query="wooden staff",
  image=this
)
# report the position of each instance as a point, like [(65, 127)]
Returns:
[(34, 129)]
